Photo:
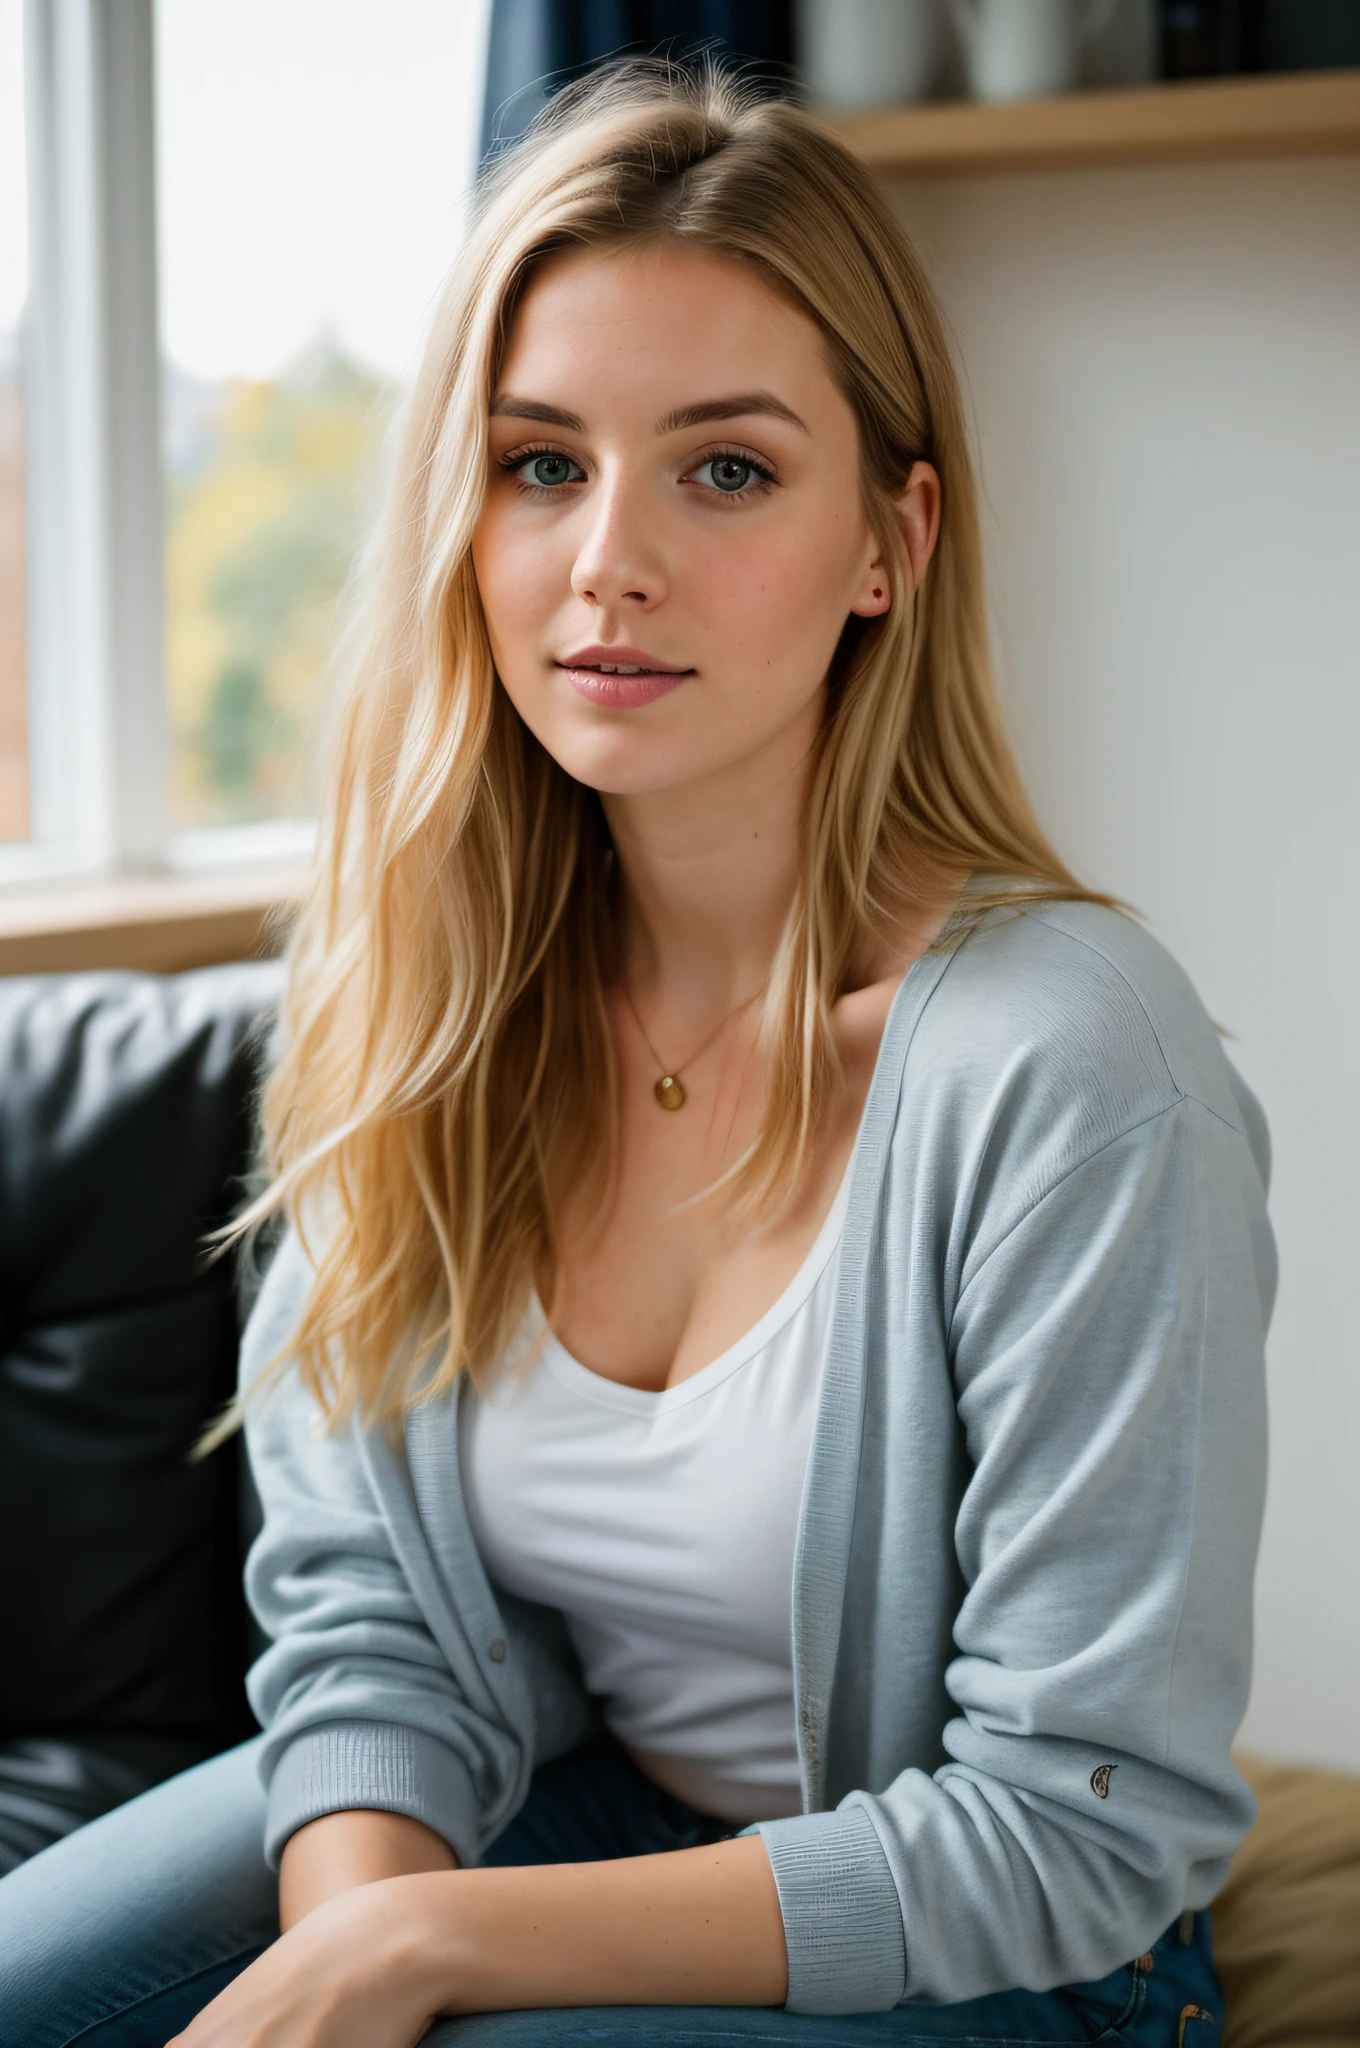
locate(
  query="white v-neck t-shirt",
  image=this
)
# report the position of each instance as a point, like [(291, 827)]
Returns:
[(663, 1526)]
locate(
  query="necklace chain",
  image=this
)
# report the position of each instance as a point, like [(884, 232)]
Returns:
[(668, 1090)]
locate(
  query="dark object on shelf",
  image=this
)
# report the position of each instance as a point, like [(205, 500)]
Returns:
[(126, 1125), (537, 45), (1304, 35), (1205, 38)]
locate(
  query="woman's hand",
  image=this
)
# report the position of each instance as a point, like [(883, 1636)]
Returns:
[(355, 1973)]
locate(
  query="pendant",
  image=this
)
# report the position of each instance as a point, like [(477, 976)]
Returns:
[(669, 1093)]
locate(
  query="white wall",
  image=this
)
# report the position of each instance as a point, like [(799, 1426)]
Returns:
[(1164, 366)]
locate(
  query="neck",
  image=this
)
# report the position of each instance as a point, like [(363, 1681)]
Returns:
[(709, 872)]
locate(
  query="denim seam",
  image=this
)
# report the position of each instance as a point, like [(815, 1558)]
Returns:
[(175, 1984)]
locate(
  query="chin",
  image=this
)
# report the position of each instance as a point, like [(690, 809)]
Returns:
[(629, 766)]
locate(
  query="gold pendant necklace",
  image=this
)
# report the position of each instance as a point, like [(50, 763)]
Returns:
[(669, 1089)]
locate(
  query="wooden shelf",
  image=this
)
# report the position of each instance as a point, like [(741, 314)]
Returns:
[(159, 923), (1300, 114)]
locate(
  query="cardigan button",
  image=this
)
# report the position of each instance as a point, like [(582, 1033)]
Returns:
[(496, 1650)]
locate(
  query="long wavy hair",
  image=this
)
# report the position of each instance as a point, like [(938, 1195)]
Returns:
[(446, 1072)]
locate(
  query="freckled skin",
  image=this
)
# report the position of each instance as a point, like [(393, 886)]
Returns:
[(750, 591)]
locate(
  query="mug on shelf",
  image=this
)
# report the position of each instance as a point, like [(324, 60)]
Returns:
[(1025, 49), (869, 53)]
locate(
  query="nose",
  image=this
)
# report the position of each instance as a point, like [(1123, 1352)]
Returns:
[(618, 562)]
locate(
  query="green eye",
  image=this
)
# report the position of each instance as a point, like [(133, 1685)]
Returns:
[(729, 473), (549, 470)]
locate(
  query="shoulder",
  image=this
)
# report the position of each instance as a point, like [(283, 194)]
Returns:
[(1061, 1027), (278, 1307)]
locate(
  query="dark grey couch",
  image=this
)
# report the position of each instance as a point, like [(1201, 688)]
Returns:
[(126, 1131)]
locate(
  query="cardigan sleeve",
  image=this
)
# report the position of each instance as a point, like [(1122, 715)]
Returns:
[(359, 1697), (1107, 1356)]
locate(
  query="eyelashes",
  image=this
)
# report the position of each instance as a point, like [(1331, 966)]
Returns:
[(760, 480), (544, 456), (765, 479)]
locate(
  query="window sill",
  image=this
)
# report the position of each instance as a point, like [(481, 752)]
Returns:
[(160, 924)]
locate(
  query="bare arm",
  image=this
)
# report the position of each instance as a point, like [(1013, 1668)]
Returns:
[(342, 1850), (372, 1964), (692, 1927), (695, 1927)]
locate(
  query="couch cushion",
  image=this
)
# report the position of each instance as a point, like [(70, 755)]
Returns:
[(49, 1788), (125, 1130), (1287, 1923)]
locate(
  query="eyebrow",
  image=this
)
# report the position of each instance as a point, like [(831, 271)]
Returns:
[(741, 405), (508, 407)]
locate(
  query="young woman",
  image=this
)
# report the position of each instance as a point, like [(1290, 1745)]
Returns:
[(759, 1415)]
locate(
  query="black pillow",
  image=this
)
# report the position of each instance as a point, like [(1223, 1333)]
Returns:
[(126, 1106)]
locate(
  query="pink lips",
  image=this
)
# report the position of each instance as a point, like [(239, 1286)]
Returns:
[(621, 693)]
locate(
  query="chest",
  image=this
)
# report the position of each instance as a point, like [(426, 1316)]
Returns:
[(665, 1279), (673, 1512)]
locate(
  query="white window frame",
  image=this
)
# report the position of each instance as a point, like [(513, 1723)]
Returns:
[(99, 744), (98, 715)]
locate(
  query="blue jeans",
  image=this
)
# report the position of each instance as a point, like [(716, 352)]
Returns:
[(117, 1936)]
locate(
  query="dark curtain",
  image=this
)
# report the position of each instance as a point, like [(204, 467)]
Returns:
[(538, 45)]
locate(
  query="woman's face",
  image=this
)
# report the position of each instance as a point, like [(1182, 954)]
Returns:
[(674, 490)]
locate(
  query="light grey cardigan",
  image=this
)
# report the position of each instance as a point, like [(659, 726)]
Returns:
[(1022, 1598)]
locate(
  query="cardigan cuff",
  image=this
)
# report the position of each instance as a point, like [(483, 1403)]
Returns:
[(842, 1917), (347, 1766)]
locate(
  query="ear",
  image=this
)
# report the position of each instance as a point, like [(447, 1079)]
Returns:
[(918, 518)]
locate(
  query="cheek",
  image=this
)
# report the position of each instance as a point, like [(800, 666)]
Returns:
[(518, 578), (780, 592)]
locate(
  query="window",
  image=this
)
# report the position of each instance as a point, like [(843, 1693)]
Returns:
[(238, 218), (313, 165), (13, 294)]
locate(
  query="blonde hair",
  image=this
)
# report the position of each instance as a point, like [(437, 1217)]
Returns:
[(446, 1072)]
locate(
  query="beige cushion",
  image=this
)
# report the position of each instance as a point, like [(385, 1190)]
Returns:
[(1287, 1923)]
